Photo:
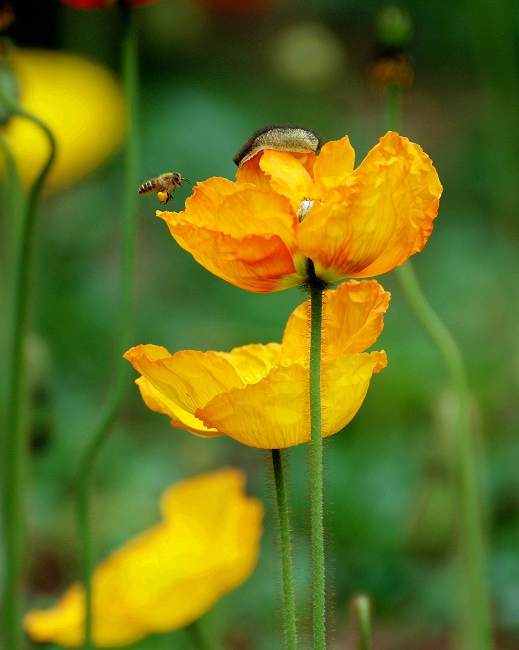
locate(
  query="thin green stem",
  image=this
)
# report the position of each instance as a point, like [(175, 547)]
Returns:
[(361, 608), (477, 623), (14, 441), (286, 559), (316, 468), (129, 231)]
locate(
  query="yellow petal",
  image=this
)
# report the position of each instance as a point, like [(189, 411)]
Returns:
[(82, 104), (168, 576), (345, 382), (254, 362), (180, 418), (270, 414), (353, 317), (188, 378), (333, 165)]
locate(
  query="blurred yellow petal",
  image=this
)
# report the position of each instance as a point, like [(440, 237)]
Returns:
[(82, 104), (167, 577), (353, 317)]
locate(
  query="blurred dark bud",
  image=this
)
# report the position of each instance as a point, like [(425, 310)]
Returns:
[(392, 70), (238, 7), (6, 15), (100, 4), (308, 54), (393, 27), (41, 422)]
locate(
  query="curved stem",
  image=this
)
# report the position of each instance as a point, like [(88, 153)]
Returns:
[(286, 560), (14, 442), (129, 230), (477, 622), (316, 468)]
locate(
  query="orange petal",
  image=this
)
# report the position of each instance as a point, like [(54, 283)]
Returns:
[(188, 378), (271, 414), (287, 176), (260, 263), (353, 317), (345, 382), (379, 216), (202, 206), (180, 418), (333, 165), (416, 191)]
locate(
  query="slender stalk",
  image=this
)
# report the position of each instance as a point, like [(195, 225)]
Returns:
[(316, 467), (361, 608), (14, 440), (477, 622), (286, 560), (129, 230)]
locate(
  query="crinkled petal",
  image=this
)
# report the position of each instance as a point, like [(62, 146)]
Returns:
[(180, 418), (254, 362), (261, 263), (188, 378), (287, 175), (378, 217), (345, 382), (270, 414), (333, 165), (168, 576), (416, 191), (202, 206), (353, 317)]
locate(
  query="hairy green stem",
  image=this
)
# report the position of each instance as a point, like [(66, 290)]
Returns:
[(286, 559), (14, 440), (476, 630), (361, 608), (316, 468), (129, 231)]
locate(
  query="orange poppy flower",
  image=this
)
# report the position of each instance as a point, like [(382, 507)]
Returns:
[(206, 545), (258, 394), (287, 208)]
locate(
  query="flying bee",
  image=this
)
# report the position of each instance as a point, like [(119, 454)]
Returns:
[(163, 185)]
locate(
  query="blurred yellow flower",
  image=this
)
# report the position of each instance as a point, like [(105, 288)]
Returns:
[(82, 104), (287, 208), (206, 545), (258, 394)]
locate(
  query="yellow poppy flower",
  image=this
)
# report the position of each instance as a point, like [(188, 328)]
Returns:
[(206, 545), (258, 394), (81, 103), (285, 208)]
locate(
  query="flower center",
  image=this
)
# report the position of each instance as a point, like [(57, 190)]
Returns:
[(304, 209)]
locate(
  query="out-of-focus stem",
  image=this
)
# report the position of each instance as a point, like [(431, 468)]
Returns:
[(361, 609), (14, 441), (476, 632), (129, 231), (316, 468), (286, 559)]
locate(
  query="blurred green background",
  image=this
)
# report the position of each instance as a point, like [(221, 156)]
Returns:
[(212, 72)]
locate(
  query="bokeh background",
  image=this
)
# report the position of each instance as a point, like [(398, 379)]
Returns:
[(214, 71)]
